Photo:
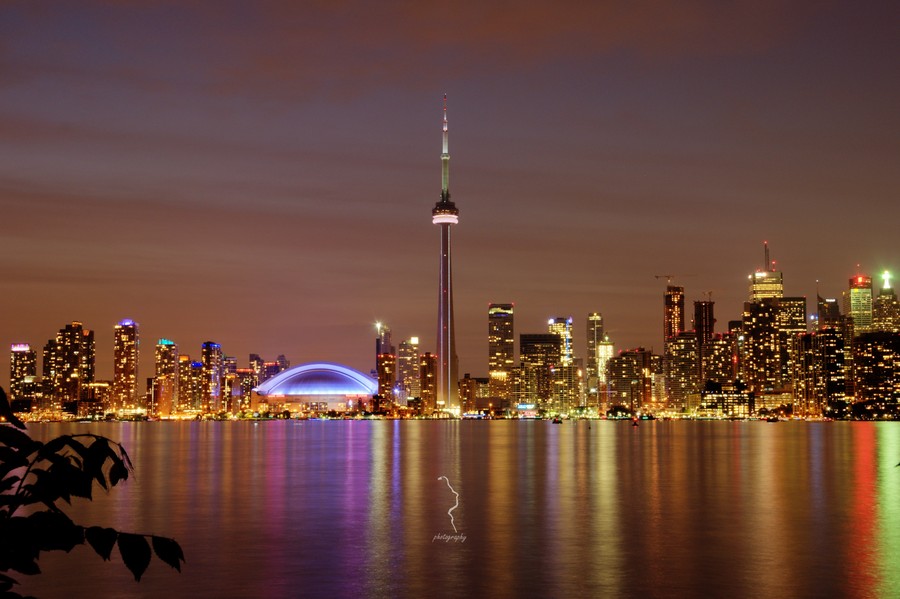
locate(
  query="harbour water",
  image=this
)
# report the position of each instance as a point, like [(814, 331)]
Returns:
[(527, 509)]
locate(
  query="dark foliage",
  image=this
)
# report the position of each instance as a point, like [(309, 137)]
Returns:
[(35, 478)]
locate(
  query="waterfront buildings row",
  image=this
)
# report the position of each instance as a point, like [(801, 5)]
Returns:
[(180, 384)]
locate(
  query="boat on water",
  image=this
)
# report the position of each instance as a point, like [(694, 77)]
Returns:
[(556, 420)]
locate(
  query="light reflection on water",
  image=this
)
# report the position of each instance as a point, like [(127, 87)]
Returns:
[(351, 509)]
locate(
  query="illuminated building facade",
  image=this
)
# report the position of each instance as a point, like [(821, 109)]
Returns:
[(408, 369), (428, 366), (501, 339), (191, 387), (126, 346), (165, 383), (68, 363), (563, 328), (886, 308), (445, 214), (631, 379), (761, 357), (684, 369), (386, 366), (719, 360), (538, 352), (858, 303), (704, 327), (594, 334), (317, 386), (22, 372), (383, 341), (876, 360), (673, 311), (791, 322), (567, 387), (766, 283), (213, 361)]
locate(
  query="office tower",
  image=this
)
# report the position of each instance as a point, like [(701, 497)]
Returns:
[(501, 340), (445, 214), (828, 312), (567, 386), (605, 352), (819, 373), (212, 358), (126, 345), (383, 342), (408, 368), (68, 363), (719, 361), (538, 352), (683, 376), (631, 379), (165, 383), (886, 308), (858, 303), (258, 368), (22, 372), (284, 363), (791, 321), (594, 335), (876, 362), (428, 366), (563, 328), (673, 311), (387, 375), (761, 359), (766, 283)]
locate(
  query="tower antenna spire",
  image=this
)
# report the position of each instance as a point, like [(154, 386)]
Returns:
[(445, 158)]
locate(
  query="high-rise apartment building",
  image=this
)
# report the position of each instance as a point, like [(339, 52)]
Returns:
[(191, 384), (876, 361), (858, 303), (673, 311), (761, 357), (22, 372), (213, 361), (563, 328), (165, 383), (68, 363), (631, 379), (683, 376), (126, 346)]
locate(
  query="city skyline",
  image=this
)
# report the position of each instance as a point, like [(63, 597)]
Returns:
[(277, 209)]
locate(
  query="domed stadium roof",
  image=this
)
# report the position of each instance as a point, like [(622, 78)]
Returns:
[(319, 378)]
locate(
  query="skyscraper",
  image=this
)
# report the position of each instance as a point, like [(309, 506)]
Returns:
[(22, 371), (408, 368), (673, 312), (445, 214), (858, 303), (563, 328), (539, 352), (383, 343), (428, 379), (501, 340), (126, 344), (767, 282), (594, 335), (68, 363), (886, 308), (165, 383), (213, 361)]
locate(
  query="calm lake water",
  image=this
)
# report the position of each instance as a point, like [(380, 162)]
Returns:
[(353, 509)]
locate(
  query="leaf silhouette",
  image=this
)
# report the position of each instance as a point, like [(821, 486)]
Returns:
[(135, 552), (102, 540), (169, 551)]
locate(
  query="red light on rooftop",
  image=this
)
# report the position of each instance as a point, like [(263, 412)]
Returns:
[(859, 280)]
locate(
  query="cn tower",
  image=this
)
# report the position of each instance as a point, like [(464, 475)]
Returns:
[(445, 214)]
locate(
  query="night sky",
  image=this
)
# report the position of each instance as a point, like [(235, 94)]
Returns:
[(261, 174)]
